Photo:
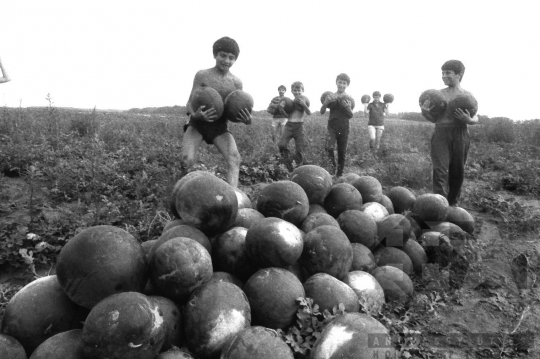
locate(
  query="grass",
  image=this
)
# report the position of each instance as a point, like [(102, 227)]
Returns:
[(118, 168)]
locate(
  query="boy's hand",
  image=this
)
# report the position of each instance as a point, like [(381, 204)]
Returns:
[(329, 99), (463, 116), (300, 102), (426, 106), (244, 116), (346, 103), (208, 115)]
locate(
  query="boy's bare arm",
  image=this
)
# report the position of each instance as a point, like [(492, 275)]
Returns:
[(426, 108), (5, 77), (464, 116)]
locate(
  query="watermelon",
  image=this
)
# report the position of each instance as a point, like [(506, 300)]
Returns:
[(328, 292), (431, 208), (466, 102), (359, 227), (394, 230), (367, 289), (272, 294), (10, 348), (284, 199), (215, 314), (342, 197), (235, 102), (460, 217), (65, 345), (100, 261), (437, 99), (124, 325), (396, 284), (324, 95), (316, 220), (273, 242), (363, 259), (172, 321), (288, 105), (179, 266), (369, 187), (230, 254), (348, 178), (185, 231), (247, 217), (314, 180), (352, 336), (243, 199), (226, 277), (327, 250), (376, 210), (365, 99), (387, 203), (388, 98), (316, 208), (180, 183), (402, 199), (257, 342), (207, 203), (417, 254), (390, 256), (208, 97)]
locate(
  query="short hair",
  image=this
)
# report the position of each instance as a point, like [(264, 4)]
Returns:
[(344, 77), (282, 87), (297, 84), (456, 66), (376, 93), (226, 44)]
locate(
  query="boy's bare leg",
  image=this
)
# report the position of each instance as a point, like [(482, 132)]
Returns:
[(226, 145), (378, 137), (190, 147)]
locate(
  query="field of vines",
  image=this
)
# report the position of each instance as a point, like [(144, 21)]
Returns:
[(82, 168)]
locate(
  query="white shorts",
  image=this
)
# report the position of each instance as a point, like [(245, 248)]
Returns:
[(373, 130), (279, 121)]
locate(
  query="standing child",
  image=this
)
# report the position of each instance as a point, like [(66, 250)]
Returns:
[(279, 119), (203, 123), (450, 141), (5, 77), (376, 111), (338, 122), (294, 129)]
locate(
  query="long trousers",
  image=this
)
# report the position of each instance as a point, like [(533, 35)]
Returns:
[(449, 149), (338, 133)]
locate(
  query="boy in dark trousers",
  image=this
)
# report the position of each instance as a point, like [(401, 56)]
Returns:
[(341, 112), (450, 141), (279, 119), (294, 129)]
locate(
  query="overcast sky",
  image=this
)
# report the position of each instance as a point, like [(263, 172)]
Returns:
[(125, 54)]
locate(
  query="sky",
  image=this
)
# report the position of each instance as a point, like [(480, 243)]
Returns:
[(125, 54)]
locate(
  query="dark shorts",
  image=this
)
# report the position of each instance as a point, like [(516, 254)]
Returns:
[(209, 130)]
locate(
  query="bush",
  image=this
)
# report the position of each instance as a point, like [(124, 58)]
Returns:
[(500, 129)]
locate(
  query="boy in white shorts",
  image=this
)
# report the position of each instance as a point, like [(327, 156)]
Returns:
[(376, 111)]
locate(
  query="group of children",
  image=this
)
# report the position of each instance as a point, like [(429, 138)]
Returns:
[(341, 105), (449, 145)]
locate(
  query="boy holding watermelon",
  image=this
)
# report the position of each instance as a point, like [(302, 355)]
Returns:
[(203, 123), (341, 106), (376, 111), (450, 141), (294, 128), (279, 118), (5, 77)]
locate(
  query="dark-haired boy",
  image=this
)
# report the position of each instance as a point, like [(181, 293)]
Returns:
[(294, 128), (203, 123), (279, 118), (338, 122), (450, 141), (376, 111)]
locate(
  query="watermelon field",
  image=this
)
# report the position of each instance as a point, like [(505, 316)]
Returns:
[(69, 176)]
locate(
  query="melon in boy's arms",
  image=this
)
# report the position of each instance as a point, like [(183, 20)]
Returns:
[(436, 99), (325, 95), (365, 99), (287, 104), (466, 102), (235, 102), (388, 98), (209, 98), (301, 97)]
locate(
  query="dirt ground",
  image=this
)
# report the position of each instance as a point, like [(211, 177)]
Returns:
[(489, 317)]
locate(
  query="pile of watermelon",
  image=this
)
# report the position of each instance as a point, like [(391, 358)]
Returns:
[(227, 272)]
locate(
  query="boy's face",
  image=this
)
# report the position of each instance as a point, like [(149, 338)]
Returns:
[(450, 78), (376, 98), (224, 60), (281, 92), (297, 91), (341, 85)]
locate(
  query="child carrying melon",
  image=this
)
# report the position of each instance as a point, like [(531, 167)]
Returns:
[(204, 122), (279, 118), (450, 141), (341, 105), (376, 111), (5, 77), (294, 129)]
